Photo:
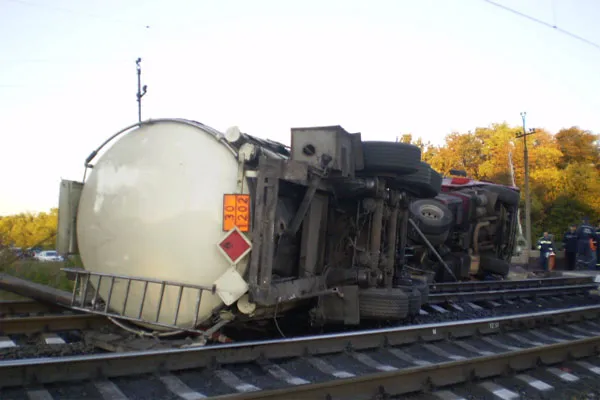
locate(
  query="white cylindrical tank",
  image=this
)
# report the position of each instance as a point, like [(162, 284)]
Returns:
[(152, 207)]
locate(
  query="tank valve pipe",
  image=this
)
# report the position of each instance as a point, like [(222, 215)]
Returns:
[(428, 243), (36, 291)]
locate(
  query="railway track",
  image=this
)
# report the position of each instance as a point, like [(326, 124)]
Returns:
[(484, 286), (32, 329), (385, 362), (27, 307), (28, 316), (567, 380), (514, 293)]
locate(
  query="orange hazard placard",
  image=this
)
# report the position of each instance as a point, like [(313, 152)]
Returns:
[(236, 212)]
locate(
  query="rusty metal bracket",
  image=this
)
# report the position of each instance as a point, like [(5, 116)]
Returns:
[(314, 182)]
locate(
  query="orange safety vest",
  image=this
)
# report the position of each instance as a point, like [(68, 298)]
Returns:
[(593, 245)]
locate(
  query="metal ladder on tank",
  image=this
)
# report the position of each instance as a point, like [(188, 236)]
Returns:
[(80, 299)]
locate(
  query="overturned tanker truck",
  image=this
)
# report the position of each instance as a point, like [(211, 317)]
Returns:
[(183, 228)]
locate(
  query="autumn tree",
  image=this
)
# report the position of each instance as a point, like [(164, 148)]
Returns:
[(578, 146), (27, 229), (461, 151), (427, 149)]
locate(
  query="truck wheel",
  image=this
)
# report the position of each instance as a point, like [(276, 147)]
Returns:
[(414, 299), (432, 217), (505, 195), (399, 158), (420, 285), (424, 183), (387, 304), (494, 265), (423, 287)]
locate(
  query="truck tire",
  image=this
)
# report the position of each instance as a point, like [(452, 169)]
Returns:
[(424, 183), (505, 194), (398, 158), (423, 287), (414, 301), (494, 265), (420, 285), (387, 304), (431, 216)]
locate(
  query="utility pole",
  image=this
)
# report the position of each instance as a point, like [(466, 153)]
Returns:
[(520, 237), (524, 135), (141, 90)]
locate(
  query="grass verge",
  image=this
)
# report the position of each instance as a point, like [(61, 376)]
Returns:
[(46, 273)]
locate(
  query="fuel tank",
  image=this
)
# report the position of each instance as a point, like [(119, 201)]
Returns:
[(152, 207)]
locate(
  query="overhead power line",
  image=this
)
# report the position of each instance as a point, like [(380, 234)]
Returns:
[(125, 23), (549, 25), (76, 61), (76, 12)]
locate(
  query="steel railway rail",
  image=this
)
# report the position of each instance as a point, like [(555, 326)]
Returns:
[(29, 316), (513, 293), (482, 286), (19, 307), (351, 365), (51, 323)]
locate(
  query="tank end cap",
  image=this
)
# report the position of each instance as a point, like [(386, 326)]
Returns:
[(233, 134)]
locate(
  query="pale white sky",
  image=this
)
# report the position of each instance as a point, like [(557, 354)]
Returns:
[(381, 67)]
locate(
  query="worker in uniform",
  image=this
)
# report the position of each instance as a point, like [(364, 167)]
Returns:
[(585, 233), (545, 247), (570, 246)]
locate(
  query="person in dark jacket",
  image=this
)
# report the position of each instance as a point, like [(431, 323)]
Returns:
[(570, 246), (585, 233), (545, 247), (598, 246)]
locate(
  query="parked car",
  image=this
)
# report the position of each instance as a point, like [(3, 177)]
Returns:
[(49, 255)]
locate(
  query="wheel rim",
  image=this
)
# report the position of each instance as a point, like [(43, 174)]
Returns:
[(431, 212)]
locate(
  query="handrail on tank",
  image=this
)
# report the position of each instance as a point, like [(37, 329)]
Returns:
[(215, 133)]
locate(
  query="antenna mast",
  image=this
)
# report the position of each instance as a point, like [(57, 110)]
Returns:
[(524, 135), (141, 90)]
